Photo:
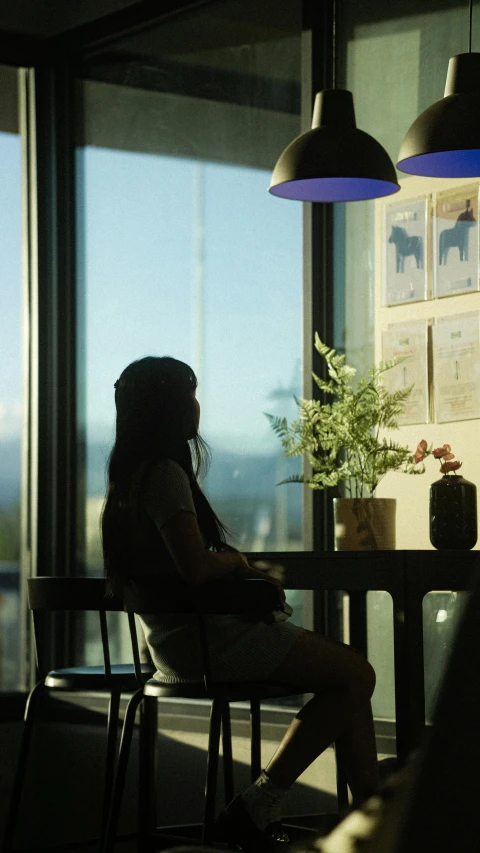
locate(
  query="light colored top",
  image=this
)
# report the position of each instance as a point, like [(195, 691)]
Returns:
[(239, 649)]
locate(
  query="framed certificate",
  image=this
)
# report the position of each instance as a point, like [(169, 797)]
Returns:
[(405, 275), (455, 241), (456, 367), (410, 341)]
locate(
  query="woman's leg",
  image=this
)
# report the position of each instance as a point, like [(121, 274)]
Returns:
[(343, 682), (357, 747)]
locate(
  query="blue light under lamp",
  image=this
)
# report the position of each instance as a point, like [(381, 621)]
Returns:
[(334, 161), (444, 141)]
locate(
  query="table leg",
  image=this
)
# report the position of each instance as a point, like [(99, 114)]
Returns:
[(409, 675), (414, 647), (358, 621)]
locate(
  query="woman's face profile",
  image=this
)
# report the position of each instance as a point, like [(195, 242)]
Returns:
[(196, 411), (190, 417)]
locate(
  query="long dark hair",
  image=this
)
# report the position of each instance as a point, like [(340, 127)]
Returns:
[(156, 419)]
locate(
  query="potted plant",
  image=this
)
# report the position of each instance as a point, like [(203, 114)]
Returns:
[(342, 437)]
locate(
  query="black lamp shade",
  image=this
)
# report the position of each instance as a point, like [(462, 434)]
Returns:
[(444, 141), (334, 161)]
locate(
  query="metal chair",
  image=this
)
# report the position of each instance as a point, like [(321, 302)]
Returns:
[(76, 594), (146, 595)]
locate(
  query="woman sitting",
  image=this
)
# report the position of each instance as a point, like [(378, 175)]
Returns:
[(157, 521)]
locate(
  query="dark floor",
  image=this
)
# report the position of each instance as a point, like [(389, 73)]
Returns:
[(312, 827)]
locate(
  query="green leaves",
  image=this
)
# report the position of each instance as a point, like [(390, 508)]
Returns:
[(340, 437)]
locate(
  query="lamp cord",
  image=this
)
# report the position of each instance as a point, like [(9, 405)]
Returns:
[(470, 26), (334, 44)]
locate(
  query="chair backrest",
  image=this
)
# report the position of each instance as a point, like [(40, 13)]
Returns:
[(47, 593), (250, 596), (79, 594), (253, 596)]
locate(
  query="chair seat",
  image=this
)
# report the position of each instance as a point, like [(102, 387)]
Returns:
[(93, 678), (234, 691)]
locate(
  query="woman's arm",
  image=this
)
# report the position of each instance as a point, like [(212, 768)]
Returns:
[(196, 565), (183, 539)]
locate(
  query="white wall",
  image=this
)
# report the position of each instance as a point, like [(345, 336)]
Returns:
[(412, 493)]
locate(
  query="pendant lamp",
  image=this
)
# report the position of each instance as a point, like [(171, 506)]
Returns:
[(334, 161), (444, 141)]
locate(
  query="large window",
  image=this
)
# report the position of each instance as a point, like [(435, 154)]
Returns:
[(183, 252), (10, 380)]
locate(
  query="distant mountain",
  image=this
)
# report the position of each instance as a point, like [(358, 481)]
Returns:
[(10, 455), (97, 458), (231, 474), (259, 514)]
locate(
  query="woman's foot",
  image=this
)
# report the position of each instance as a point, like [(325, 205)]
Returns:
[(237, 827)]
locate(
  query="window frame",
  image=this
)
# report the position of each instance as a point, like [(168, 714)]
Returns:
[(49, 443)]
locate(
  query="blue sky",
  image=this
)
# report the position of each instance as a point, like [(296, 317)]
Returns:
[(10, 287), (139, 216)]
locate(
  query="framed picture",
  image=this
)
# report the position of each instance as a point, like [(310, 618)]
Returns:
[(408, 341), (455, 241), (406, 254), (456, 367)]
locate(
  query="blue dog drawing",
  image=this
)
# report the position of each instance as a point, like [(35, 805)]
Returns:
[(404, 246)]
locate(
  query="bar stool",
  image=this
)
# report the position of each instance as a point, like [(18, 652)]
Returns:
[(146, 595), (47, 594)]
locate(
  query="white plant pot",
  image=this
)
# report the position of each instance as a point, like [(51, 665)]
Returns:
[(364, 524)]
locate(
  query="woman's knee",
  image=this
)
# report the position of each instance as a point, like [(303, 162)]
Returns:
[(365, 681), (320, 664), (355, 674)]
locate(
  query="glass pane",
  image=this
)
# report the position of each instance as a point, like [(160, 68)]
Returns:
[(441, 617), (380, 655), (10, 382), (183, 252)]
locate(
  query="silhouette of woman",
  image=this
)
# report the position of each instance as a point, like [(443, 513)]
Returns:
[(157, 520)]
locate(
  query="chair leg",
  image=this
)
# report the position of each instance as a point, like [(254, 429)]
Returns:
[(11, 823), (212, 771), (341, 775), (121, 773), (227, 753), (112, 725), (147, 771), (255, 742)]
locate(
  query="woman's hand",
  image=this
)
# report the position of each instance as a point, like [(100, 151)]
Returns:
[(249, 571)]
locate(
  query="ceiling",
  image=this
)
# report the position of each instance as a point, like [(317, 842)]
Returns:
[(139, 32), (47, 18)]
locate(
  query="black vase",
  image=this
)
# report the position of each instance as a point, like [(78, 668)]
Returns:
[(453, 513)]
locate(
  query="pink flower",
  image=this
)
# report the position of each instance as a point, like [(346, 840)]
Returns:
[(421, 450), (450, 466), (443, 452)]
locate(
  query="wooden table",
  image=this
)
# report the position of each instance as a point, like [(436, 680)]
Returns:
[(407, 576)]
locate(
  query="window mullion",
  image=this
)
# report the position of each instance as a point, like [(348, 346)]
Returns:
[(49, 497)]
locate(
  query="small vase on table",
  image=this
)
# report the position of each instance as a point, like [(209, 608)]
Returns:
[(453, 513)]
